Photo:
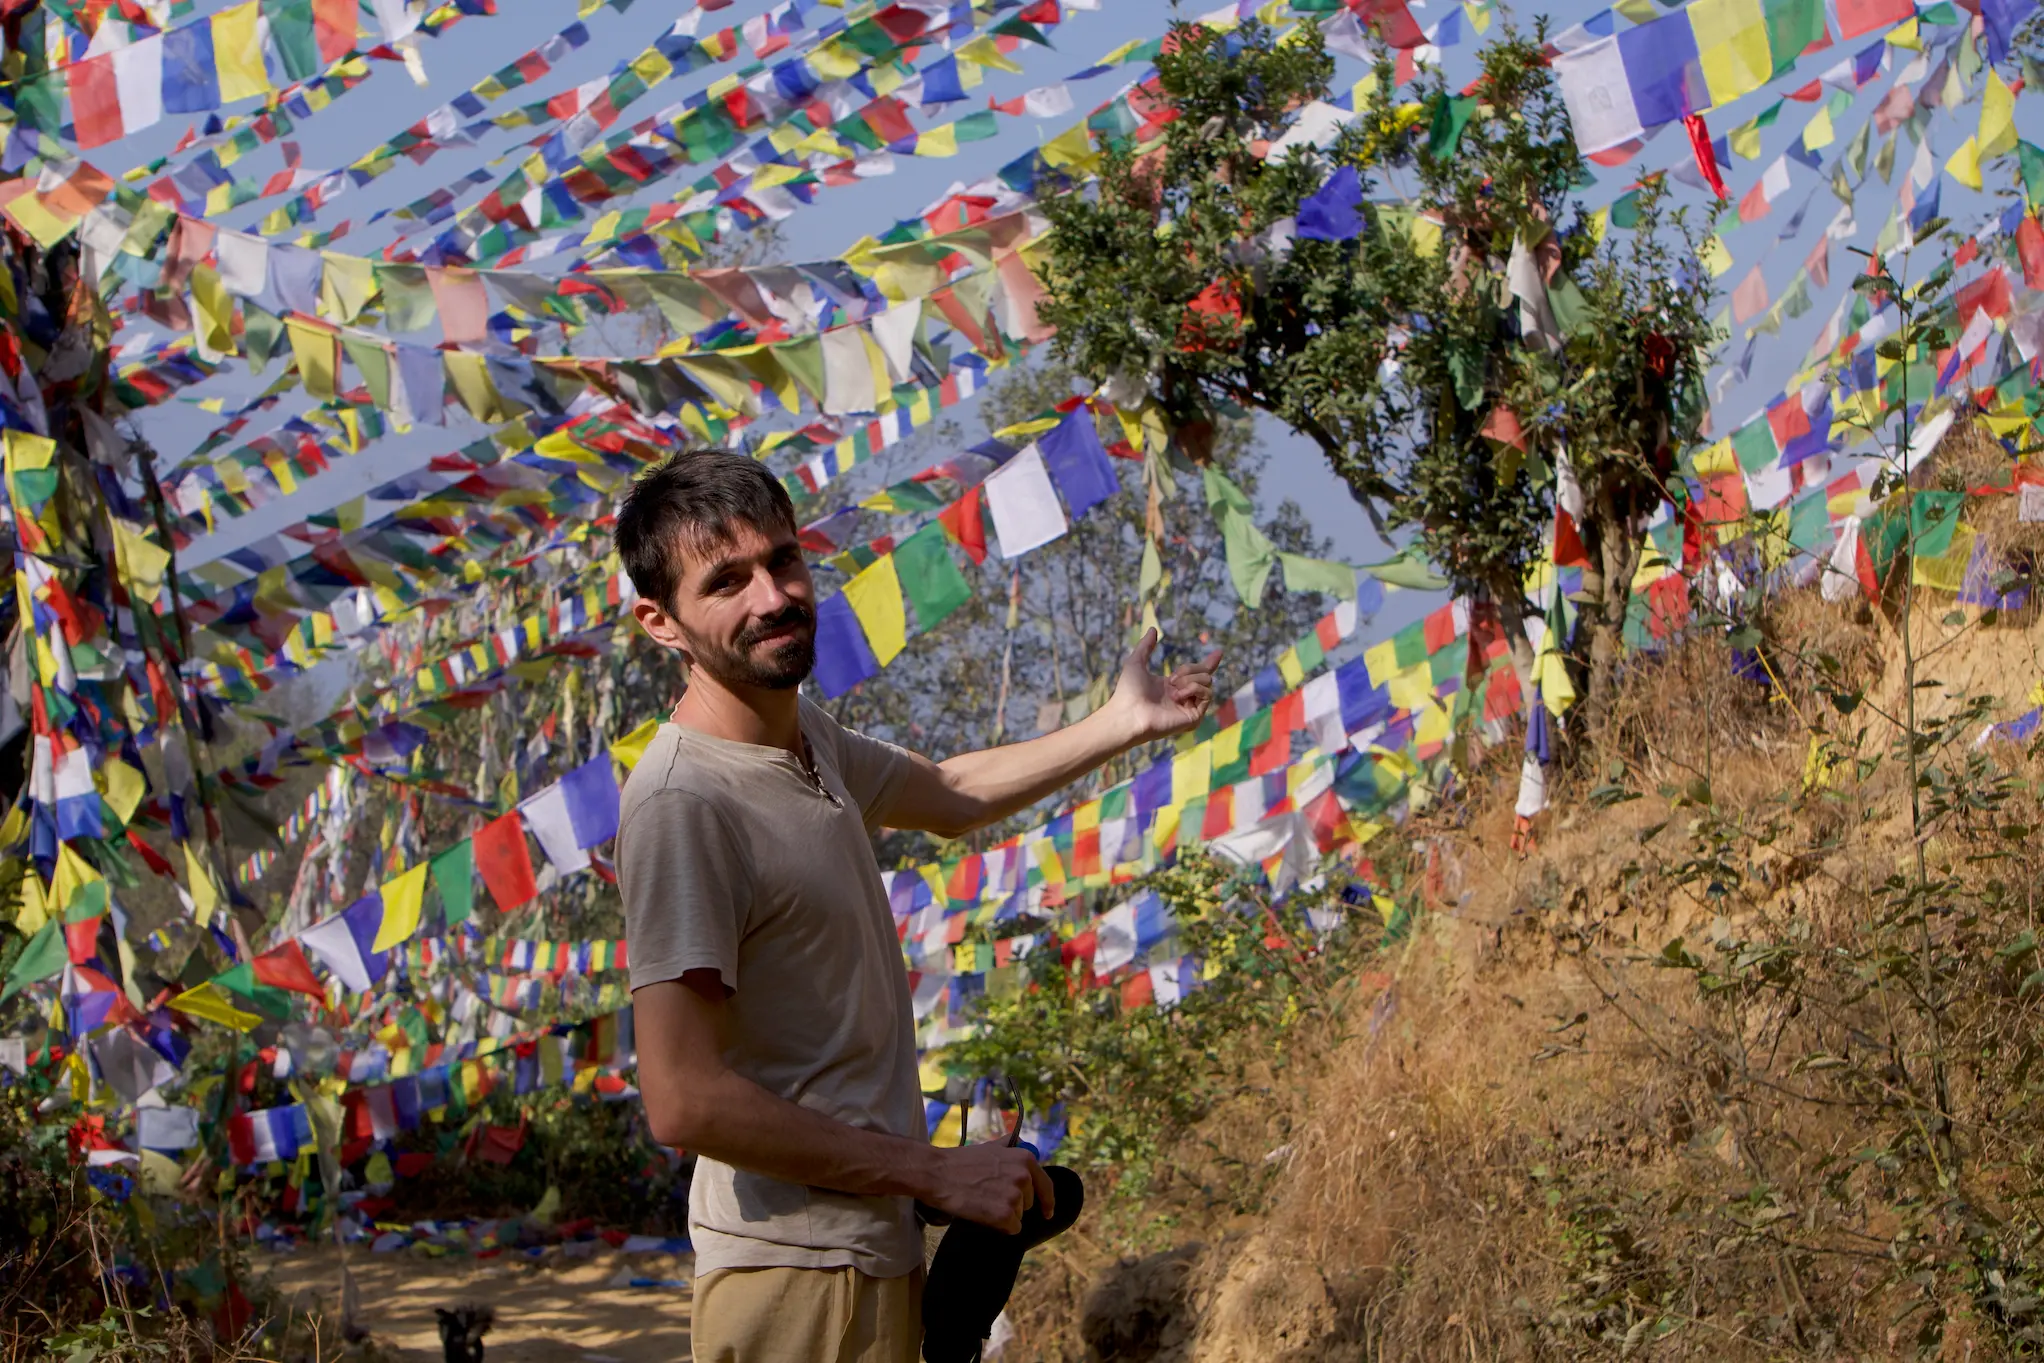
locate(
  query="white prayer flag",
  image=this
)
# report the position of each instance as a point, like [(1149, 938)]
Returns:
[(1027, 514)]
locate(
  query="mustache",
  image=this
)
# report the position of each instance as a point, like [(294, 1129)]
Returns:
[(796, 614)]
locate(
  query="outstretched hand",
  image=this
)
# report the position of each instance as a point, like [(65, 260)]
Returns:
[(1157, 707)]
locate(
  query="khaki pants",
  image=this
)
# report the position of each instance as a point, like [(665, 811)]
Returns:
[(807, 1315)]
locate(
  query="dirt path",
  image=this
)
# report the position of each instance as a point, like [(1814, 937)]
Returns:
[(555, 1309)]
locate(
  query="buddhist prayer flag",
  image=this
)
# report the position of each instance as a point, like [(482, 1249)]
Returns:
[(506, 865), (454, 877), (403, 900), (1024, 505), (875, 596)]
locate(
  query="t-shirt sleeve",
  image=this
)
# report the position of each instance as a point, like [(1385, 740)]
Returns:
[(687, 889), (872, 769)]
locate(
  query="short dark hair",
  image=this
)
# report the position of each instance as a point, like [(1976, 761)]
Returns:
[(694, 497)]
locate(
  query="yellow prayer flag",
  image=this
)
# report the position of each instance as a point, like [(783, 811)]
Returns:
[(875, 597), (1997, 117), (34, 909), (205, 898), (1290, 670), (142, 563), (1819, 133), (1382, 662), (1732, 47), (1228, 746), (238, 52), (1715, 255), (983, 51), (1192, 772), (317, 353), (35, 217), (469, 371), (1965, 164), (938, 141), (1069, 148), (122, 788), (629, 749), (214, 1004), (1717, 458), (403, 899)]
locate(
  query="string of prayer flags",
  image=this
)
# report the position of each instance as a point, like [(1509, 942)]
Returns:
[(1619, 88)]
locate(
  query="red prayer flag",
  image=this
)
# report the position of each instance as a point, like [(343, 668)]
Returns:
[(333, 25), (285, 967), (2030, 250), (1864, 16), (505, 862), (95, 101), (79, 938), (1568, 542), (965, 525), (1137, 991), (1706, 155)]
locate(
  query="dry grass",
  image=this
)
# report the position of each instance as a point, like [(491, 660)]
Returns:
[(1538, 1142)]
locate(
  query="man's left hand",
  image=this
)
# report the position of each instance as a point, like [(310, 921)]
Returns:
[(1157, 707)]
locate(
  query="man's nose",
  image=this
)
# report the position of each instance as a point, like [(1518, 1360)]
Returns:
[(766, 596)]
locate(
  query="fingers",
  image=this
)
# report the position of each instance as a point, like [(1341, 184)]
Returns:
[(1201, 671), (1046, 1191), (1139, 656)]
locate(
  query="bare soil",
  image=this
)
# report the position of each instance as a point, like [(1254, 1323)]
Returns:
[(558, 1308)]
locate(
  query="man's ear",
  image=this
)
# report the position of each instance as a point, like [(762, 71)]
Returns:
[(658, 624)]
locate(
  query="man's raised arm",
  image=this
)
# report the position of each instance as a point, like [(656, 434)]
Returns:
[(953, 797)]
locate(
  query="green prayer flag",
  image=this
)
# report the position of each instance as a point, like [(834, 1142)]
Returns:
[(372, 361), (1303, 574), (1571, 309), (43, 958), (1808, 519), (1451, 116), (1409, 645), (1451, 661), (292, 38), (1251, 555), (1792, 25), (1933, 520), (260, 332), (453, 874), (2030, 161), (929, 576), (1407, 568), (268, 1000), (1753, 443), (976, 127)]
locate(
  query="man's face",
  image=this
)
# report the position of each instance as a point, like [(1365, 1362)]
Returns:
[(745, 612)]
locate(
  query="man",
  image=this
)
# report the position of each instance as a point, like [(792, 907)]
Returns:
[(772, 1011)]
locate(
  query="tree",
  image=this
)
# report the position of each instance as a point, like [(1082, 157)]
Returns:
[(1422, 299)]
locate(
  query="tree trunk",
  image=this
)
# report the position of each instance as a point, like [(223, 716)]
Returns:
[(1613, 546)]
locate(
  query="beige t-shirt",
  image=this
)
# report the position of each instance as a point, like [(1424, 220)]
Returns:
[(731, 859)]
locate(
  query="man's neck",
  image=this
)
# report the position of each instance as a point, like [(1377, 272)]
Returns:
[(771, 719)]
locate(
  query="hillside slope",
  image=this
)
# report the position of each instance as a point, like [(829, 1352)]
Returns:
[(1721, 1069)]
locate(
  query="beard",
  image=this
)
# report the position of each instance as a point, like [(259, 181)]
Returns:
[(784, 664)]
